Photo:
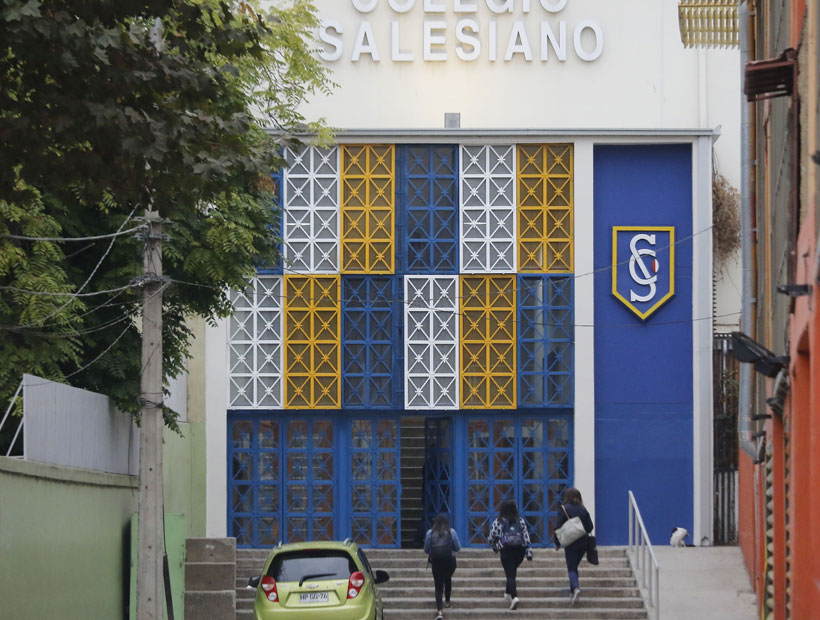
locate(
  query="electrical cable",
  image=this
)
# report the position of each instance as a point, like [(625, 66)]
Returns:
[(119, 233)]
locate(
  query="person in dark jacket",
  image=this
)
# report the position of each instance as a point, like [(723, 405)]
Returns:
[(440, 544), (510, 537), (574, 507)]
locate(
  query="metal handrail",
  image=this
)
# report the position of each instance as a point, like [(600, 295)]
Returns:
[(641, 551)]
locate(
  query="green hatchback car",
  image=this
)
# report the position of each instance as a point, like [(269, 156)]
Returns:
[(316, 580)]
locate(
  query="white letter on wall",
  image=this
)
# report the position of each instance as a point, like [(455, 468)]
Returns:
[(559, 45), (500, 6), (599, 41), (398, 7), (555, 6), (460, 6), (492, 45), (513, 45), (360, 47), (365, 6), (468, 39), (438, 39), (397, 54), (431, 6), (328, 38)]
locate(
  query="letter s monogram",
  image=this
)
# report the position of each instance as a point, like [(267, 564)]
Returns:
[(636, 259)]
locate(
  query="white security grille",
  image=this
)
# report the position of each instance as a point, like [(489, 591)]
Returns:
[(312, 211), (431, 342), (487, 209), (255, 345)]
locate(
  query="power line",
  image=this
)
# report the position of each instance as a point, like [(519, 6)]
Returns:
[(119, 233)]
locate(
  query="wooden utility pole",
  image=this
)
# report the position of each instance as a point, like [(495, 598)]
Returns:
[(150, 584)]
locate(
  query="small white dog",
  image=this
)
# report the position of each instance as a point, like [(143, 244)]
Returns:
[(678, 536)]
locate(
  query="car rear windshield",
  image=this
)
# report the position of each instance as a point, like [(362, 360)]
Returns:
[(316, 564)]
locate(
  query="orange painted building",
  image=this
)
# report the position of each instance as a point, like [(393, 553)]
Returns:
[(779, 466)]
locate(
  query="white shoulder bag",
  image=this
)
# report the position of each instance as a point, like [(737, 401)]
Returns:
[(570, 531)]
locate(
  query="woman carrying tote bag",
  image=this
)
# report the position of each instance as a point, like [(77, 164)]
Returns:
[(572, 512)]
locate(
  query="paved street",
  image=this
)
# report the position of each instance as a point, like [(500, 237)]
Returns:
[(704, 583)]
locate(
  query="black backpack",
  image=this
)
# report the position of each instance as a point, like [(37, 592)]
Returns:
[(512, 536), (441, 546)]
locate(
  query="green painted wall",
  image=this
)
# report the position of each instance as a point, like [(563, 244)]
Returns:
[(64, 551)]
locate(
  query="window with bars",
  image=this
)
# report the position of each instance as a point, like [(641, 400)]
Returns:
[(428, 208), (488, 342), (487, 209), (255, 345), (311, 214), (431, 321), (545, 208), (368, 208), (312, 345), (371, 307), (545, 341)]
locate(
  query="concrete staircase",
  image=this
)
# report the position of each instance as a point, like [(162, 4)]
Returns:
[(210, 577), (609, 591), (412, 462)]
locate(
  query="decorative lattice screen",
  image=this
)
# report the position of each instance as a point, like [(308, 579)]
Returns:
[(255, 345), (545, 208), (368, 208), (312, 211), (431, 342), (488, 378), (312, 342), (487, 200)]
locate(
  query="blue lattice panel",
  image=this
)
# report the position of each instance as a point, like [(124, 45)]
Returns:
[(371, 346), (375, 482), (428, 209), (310, 471), (545, 341)]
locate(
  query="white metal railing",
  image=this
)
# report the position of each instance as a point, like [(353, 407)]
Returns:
[(643, 558)]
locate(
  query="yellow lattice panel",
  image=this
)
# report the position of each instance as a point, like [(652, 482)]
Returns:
[(312, 342), (545, 208), (488, 366), (368, 208)]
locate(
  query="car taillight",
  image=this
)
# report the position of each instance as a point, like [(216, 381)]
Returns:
[(355, 585), (268, 586)]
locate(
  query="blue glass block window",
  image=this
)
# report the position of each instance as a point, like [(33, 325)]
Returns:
[(371, 345), (545, 341), (428, 209), (277, 178)]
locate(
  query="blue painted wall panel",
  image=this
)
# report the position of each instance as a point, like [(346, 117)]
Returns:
[(643, 369)]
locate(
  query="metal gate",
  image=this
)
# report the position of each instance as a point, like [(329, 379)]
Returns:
[(437, 489), (527, 459)]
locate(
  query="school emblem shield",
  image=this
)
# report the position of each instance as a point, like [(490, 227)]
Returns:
[(643, 267)]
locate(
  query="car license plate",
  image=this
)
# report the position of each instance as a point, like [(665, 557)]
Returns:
[(314, 597)]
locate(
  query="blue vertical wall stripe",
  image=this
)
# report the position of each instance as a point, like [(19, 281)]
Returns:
[(643, 369)]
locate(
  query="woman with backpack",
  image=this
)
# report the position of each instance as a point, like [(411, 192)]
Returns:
[(510, 537), (573, 552), (441, 543)]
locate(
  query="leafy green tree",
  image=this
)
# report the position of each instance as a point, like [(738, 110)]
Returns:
[(107, 108)]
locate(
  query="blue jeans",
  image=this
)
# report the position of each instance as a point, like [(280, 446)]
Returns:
[(573, 557)]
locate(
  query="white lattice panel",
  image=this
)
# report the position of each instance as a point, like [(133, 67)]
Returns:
[(311, 201), (255, 345), (431, 342), (487, 209)]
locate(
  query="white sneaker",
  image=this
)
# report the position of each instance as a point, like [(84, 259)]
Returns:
[(575, 596), (514, 603), (507, 596)]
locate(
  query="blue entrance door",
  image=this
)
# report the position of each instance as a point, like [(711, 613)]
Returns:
[(437, 471)]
